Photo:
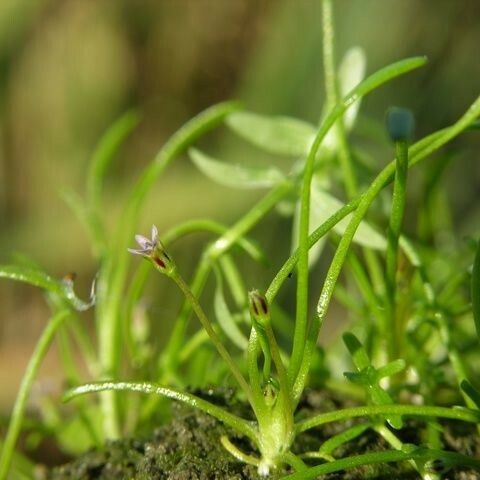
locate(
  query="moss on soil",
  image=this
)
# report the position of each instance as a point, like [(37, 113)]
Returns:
[(188, 448)]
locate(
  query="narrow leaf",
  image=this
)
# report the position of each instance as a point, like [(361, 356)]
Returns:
[(350, 73), (357, 351), (235, 176), (317, 217), (326, 205), (225, 318), (278, 135), (38, 278), (32, 276), (106, 150), (475, 290), (346, 436), (471, 391), (391, 368), (229, 419)]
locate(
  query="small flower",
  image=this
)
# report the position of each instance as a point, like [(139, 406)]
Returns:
[(153, 250)]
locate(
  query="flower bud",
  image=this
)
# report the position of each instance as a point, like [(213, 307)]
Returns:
[(400, 124), (258, 306)]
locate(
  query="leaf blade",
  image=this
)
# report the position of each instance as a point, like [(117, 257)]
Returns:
[(279, 135), (235, 175)]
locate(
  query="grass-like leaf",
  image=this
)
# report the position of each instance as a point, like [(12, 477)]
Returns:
[(38, 278), (475, 290), (224, 316), (471, 391), (350, 73), (105, 152), (235, 175), (278, 135), (325, 205), (194, 401), (420, 454)]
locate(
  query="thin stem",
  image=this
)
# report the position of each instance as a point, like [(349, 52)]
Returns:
[(33, 366), (394, 441), (114, 272), (396, 221), (254, 377), (364, 88), (206, 324), (333, 96), (462, 414), (417, 152), (420, 150), (237, 453), (237, 423), (215, 251)]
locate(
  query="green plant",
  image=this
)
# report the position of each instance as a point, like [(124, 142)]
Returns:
[(404, 317)]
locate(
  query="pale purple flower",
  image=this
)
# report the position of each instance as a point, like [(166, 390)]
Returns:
[(147, 245), (152, 249)]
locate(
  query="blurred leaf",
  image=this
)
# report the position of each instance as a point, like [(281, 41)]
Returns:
[(471, 392), (278, 135), (326, 205), (224, 316), (317, 217), (347, 435), (350, 73), (106, 150), (475, 290), (235, 176), (474, 125), (32, 276), (357, 351), (369, 376), (391, 368), (75, 435), (86, 218), (36, 277)]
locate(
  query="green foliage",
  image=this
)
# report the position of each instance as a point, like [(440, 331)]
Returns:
[(407, 321)]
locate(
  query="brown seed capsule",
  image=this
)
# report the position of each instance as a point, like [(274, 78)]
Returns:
[(258, 304)]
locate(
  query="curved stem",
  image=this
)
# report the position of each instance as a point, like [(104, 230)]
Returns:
[(462, 414), (237, 423), (371, 83), (215, 251), (33, 366), (396, 219), (114, 272), (417, 152), (206, 324), (382, 457)]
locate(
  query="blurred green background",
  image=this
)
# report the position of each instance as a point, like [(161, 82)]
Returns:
[(69, 68)]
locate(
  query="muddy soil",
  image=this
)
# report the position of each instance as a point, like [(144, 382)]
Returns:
[(188, 448)]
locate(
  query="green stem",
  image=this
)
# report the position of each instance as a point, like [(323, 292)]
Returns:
[(237, 423), (382, 457), (417, 152), (462, 414), (395, 442), (177, 278), (420, 150), (396, 221), (367, 86), (254, 377), (215, 251), (332, 91), (33, 366), (114, 272)]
